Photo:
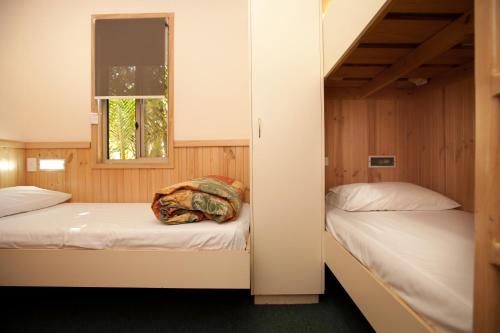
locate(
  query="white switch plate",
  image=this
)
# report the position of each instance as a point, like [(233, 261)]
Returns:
[(31, 164), (93, 118), (327, 162)]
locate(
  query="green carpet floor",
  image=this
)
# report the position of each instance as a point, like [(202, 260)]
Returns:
[(162, 310)]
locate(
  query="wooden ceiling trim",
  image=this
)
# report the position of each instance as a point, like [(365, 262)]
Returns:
[(454, 56), (433, 6), (422, 16), (448, 37), (353, 71), (376, 56), (429, 71), (404, 31), (458, 72)]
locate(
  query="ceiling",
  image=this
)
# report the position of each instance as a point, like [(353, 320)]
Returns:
[(404, 27)]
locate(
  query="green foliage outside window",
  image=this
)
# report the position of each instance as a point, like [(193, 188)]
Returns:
[(122, 134), (121, 129), (155, 127)]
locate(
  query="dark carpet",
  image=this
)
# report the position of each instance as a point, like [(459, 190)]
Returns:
[(163, 310)]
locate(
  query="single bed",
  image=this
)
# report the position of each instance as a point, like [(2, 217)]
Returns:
[(121, 245), (417, 266)]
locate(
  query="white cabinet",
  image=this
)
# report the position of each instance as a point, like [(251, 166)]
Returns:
[(287, 147)]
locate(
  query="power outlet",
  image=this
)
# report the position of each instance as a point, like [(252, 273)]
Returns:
[(31, 164), (93, 118)]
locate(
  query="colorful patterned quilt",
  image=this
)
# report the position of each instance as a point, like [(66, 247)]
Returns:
[(214, 198)]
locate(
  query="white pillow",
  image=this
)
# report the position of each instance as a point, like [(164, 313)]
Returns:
[(21, 199), (387, 196)]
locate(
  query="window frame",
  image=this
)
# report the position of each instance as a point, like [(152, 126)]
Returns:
[(99, 158)]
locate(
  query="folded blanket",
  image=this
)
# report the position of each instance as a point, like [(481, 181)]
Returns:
[(208, 198)]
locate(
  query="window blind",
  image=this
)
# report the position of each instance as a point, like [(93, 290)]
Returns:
[(130, 57)]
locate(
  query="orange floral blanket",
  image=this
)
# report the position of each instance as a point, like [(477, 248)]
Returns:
[(215, 198)]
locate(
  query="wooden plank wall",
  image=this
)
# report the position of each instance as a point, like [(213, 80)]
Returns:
[(135, 185), (12, 164), (429, 129)]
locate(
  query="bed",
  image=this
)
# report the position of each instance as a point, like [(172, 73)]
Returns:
[(121, 245), (408, 271)]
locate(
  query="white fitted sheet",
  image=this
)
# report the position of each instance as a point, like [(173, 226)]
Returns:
[(426, 257), (117, 225)]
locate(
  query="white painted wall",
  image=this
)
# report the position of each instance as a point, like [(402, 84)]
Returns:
[(45, 67), (343, 22)]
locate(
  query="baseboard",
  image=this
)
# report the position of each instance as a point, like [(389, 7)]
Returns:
[(286, 299)]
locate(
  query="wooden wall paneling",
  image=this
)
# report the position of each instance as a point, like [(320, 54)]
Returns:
[(430, 130), (428, 108), (88, 184), (12, 165), (459, 98), (383, 136)]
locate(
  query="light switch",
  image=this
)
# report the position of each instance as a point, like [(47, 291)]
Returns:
[(31, 164), (93, 118), (327, 162)]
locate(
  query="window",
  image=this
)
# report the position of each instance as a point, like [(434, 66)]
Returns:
[(132, 88)]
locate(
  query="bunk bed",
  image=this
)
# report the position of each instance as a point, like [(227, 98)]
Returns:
[(393, 80), (406, 270), (121, 245)]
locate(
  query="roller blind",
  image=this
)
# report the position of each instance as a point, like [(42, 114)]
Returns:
[(130, 57)]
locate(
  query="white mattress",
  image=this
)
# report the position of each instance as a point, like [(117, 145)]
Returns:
[(425, 256), (117, 225)]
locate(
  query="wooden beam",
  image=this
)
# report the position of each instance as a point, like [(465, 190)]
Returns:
[(450, 36), (12, 144), (458, 73)]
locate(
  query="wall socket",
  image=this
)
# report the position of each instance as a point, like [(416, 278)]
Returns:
[(31, 164), (93, 118)]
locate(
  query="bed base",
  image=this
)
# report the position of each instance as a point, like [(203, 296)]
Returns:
[(381, 306), (286, 299), (125, 268)]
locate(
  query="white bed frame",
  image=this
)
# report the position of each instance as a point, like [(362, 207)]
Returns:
[(126, 268), (381, 306)]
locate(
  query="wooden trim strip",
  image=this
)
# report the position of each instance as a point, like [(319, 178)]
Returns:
[(212, 143), (57, 145), (86, 145), (12, 144)]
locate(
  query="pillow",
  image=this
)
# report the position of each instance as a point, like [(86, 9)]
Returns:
[(21, 199), (387, 196)]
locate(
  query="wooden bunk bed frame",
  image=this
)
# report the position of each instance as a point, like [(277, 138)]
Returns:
[(382, 307), (387, 55), (141, 268)]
